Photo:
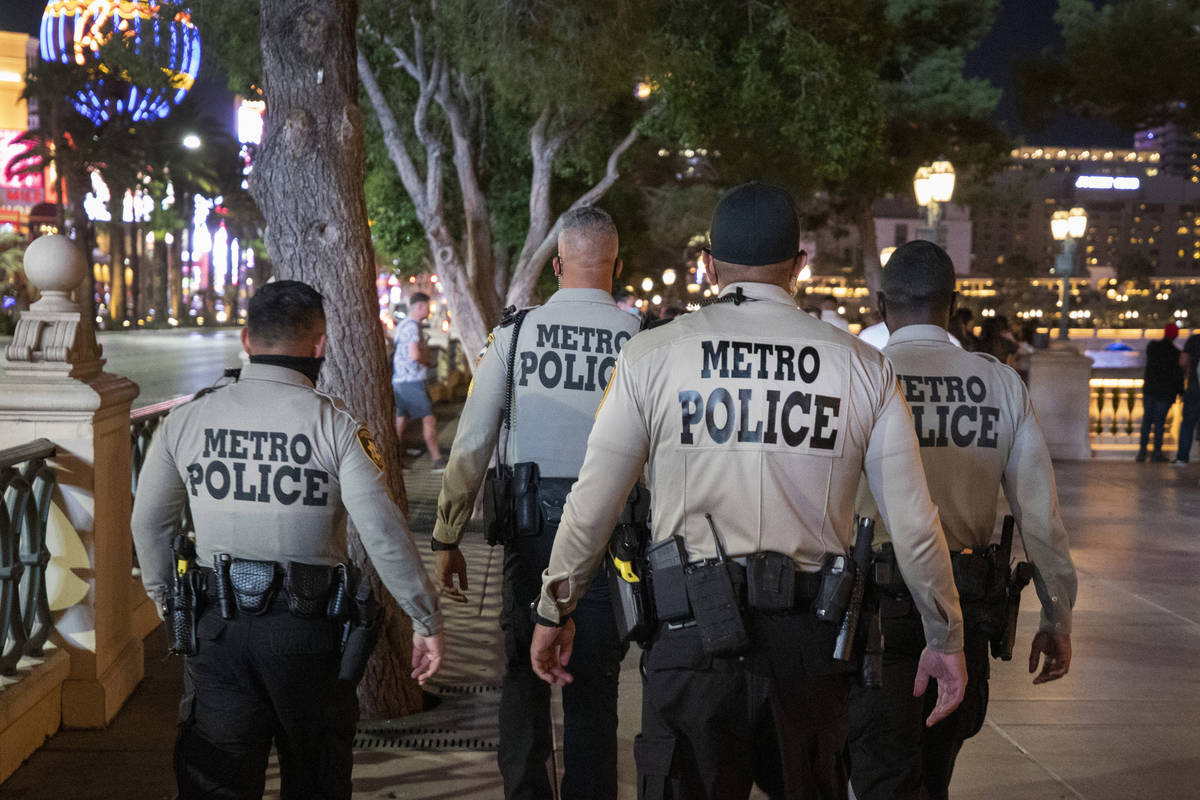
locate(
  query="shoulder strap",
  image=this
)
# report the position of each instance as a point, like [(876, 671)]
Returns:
[(515, 319), (518, 319)]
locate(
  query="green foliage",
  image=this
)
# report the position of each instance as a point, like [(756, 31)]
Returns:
[(932, 109), (1129, 61), (397, 234), (13, 286), (577, 56), (1133, 61), (229, 33), (780, 89)]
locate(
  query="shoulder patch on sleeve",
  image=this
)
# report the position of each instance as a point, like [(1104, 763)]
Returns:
[(369, 448)]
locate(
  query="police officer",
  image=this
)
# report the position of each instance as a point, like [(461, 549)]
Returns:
[(975, 424), (565, 354), (269, 468), (756, 413)]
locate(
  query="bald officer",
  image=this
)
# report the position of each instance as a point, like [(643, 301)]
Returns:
[(975, 424), (269, 468), (756, 413), (565, 354)]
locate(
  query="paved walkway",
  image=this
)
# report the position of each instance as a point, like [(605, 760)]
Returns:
[(1125, 723)]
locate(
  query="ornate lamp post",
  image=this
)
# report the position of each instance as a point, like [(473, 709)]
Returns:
[(1067, 227), (934, 186)]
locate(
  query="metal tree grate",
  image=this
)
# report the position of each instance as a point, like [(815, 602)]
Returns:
[(466, 719)]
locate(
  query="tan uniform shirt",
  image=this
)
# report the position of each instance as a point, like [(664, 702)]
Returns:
[(975, 424), (270, 467), (565, 357), (764, 417)]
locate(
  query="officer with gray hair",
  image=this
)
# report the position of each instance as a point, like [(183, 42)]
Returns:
[(544, 373)]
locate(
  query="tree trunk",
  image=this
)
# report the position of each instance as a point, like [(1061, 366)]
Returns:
[(174, 287), (116, 271), (141, 277), (162, 282), (872, 272), (232, 279), (77, 188), (309, 184)]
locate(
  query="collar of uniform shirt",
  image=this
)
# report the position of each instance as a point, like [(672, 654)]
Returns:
[(270, 372), (582, 296), (760, 291), (920, 333)]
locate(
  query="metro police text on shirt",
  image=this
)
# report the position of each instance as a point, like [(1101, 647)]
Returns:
[(946, 409), (558, 365), (770, 393), (258, 467)]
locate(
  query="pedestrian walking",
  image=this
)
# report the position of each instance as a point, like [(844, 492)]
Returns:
[(411, 361), (1162, 383)]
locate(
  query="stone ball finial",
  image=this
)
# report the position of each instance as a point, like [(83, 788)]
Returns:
[(54, 264)]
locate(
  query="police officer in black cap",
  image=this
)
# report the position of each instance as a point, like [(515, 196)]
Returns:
[(756, 421)]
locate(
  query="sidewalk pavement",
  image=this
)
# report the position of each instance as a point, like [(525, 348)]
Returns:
[(1124, 723)]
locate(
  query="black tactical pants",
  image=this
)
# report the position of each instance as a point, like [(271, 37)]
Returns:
[(893, 756), (589, 703), (776, 716), (257, 681)]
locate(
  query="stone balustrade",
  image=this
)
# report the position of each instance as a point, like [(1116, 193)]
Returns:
[(82, 651)]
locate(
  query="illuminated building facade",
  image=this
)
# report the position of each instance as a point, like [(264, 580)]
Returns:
[(1180, 149), (19, 194), (1137, 210)]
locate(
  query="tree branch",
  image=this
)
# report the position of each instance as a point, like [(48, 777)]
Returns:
[(404, 61), (533, 258), (393, 140)]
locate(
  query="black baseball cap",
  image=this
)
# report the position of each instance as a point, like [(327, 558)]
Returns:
[(755, 224)]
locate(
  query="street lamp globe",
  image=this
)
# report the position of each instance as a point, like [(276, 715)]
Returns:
[(1077, 223), (922, 186), (1060, 225), (668, 277), (941, 181), (647, 284), (885, 255)]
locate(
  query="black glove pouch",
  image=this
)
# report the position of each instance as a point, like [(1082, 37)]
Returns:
[(982, 590), (498, 505), (770, 581), (715, 590), (308, 587), (254, 585), (527, 518)]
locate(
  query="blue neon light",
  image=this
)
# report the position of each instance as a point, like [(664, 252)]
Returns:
[(57, 42)]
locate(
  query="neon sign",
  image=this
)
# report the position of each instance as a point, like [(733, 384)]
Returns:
[(1106, 182), (18, 190), (73, 31)]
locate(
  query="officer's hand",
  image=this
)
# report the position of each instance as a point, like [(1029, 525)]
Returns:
[(1056, 647), (450, 563), (551, 651), (426, 656), (950, 672)]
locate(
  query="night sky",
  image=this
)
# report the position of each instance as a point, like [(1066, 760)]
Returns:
[(1022, 27)]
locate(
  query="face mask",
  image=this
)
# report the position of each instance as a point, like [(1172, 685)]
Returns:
[(308, 367)]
